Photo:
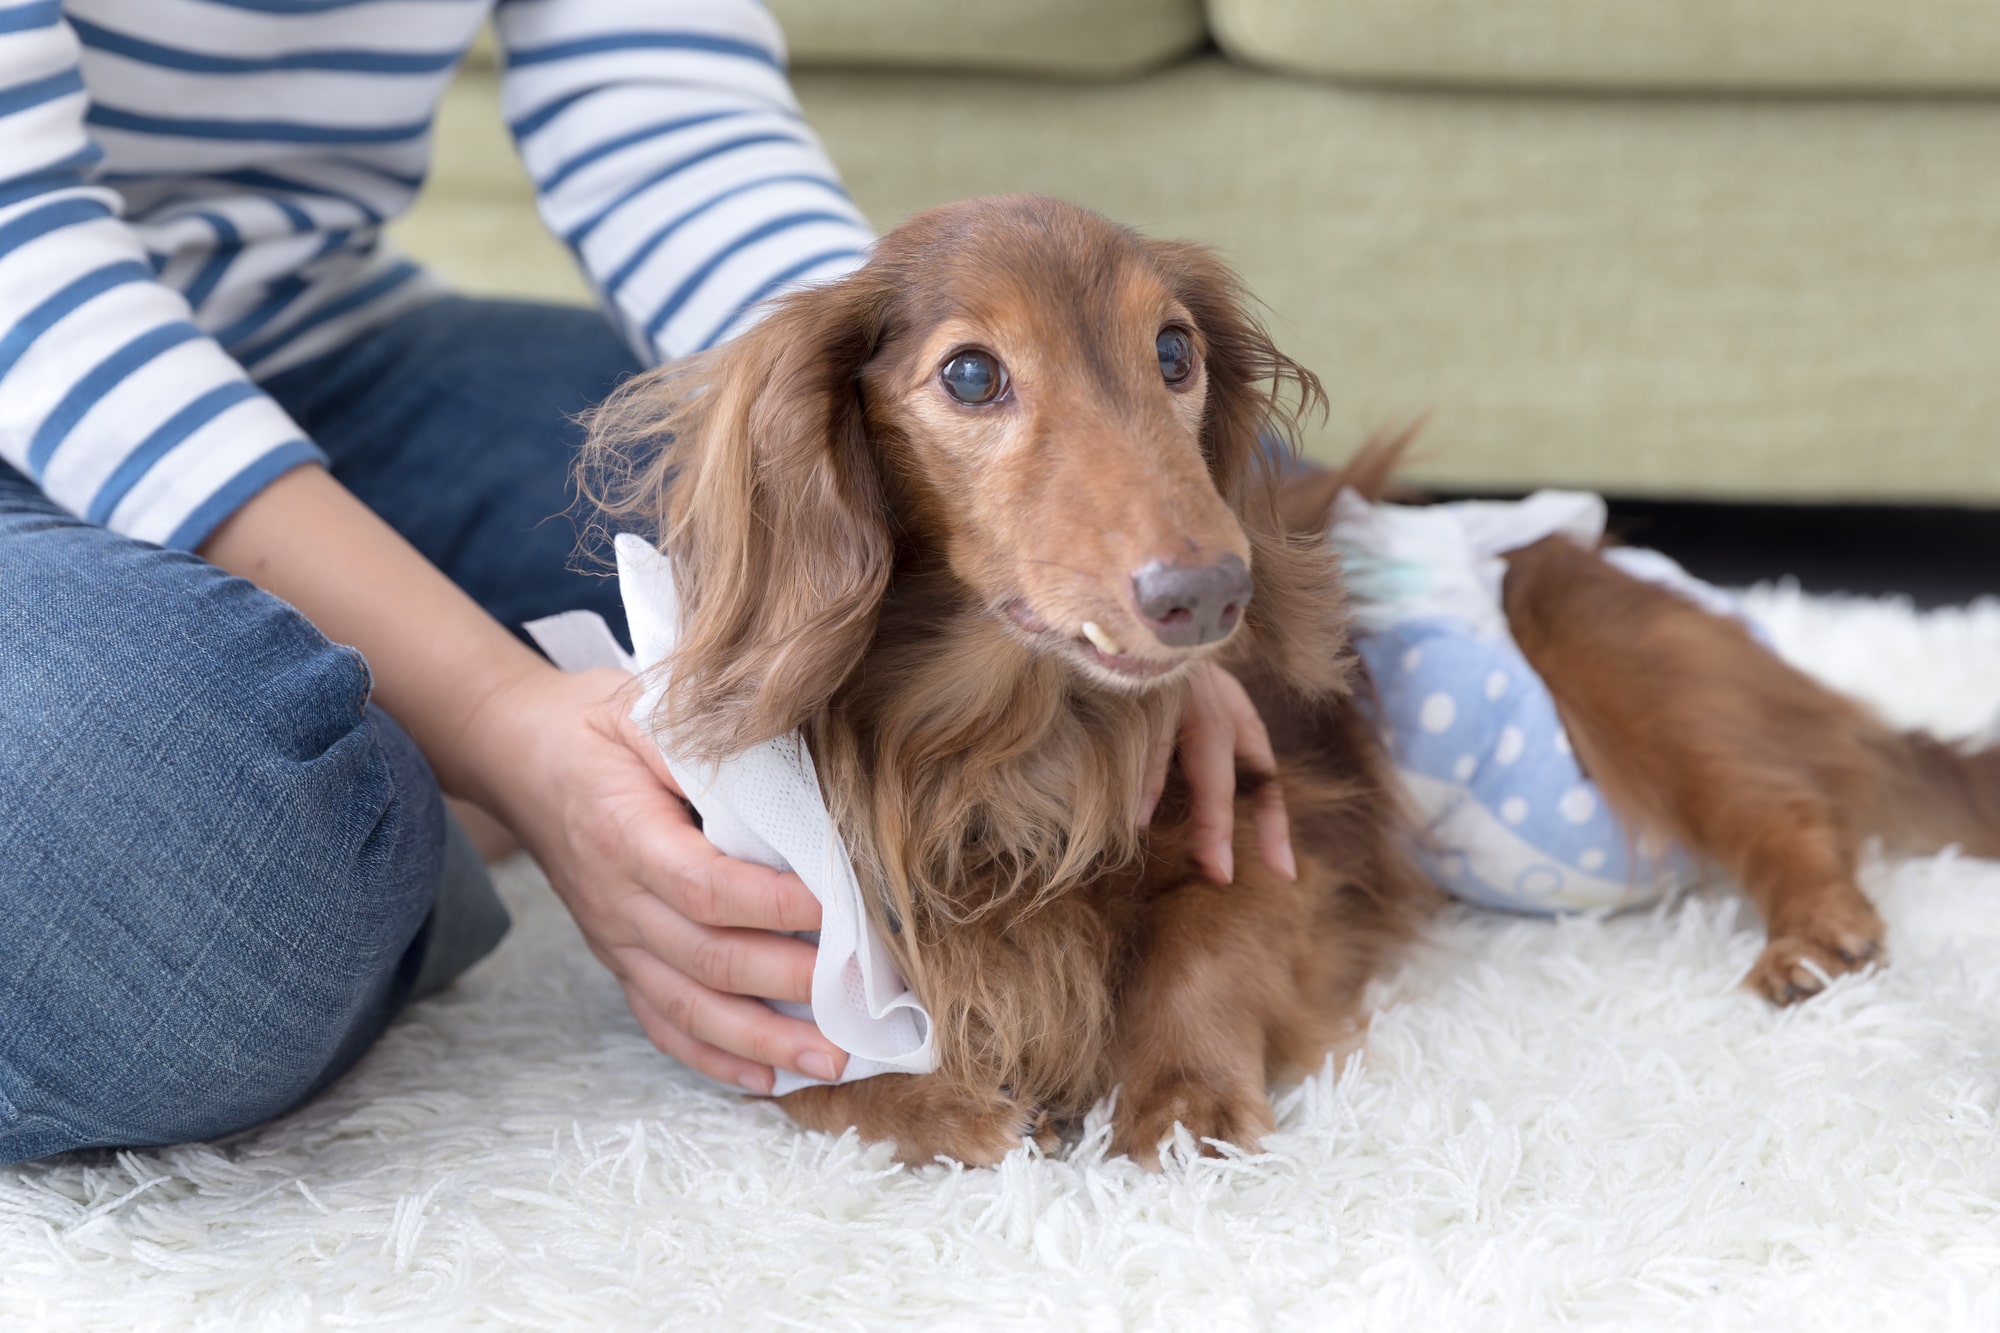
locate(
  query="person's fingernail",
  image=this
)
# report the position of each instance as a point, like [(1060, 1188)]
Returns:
[(816, 1064), (755, 1080), (1288, 864), (1224, 865)]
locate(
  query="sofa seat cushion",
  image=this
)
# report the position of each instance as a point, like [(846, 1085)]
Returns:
[(1100, 37), (1820, 45)]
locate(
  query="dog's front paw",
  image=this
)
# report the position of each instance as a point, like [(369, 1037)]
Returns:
[(1146, 1116), (1841, 934), (978, 1131), (925, 1116)]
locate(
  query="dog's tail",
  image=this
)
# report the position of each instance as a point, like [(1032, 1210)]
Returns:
[(1306, 496), (1937, 793)]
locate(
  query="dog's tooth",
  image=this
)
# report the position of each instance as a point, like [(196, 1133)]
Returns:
[(1104, 642)]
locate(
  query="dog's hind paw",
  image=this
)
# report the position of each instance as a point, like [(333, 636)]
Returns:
[(1797, 963)]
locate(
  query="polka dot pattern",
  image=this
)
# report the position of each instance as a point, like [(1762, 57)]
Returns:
[(1439, 712), (1512, 820)]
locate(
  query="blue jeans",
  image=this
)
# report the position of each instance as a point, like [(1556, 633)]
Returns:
[(222, 869)]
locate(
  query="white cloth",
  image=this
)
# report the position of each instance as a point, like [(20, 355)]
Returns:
[(1404, 562), (764, 805)]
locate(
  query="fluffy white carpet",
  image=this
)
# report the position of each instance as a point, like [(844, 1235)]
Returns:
[(1577, 1123)]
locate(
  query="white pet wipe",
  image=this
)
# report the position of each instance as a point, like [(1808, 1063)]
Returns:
[(764, 805)]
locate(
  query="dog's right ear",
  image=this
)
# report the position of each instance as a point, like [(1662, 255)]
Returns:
[(750, 466)]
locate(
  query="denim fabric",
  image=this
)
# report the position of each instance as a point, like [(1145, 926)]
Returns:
[(457, 424), (222, 869)]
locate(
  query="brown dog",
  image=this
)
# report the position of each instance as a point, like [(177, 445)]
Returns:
[(966, 516)]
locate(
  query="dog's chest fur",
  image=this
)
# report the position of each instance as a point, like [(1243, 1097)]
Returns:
[(990, 801)]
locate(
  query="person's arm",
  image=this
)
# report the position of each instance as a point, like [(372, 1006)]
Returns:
[(667, 150), (687, 931), (115, 403), (127, 414)]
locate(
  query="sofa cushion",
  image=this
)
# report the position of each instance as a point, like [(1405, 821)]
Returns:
[(1749, 298), (1720, 297), (1819, 45), (1100, 37)]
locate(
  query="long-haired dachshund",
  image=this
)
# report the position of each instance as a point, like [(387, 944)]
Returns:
[(964, 518)]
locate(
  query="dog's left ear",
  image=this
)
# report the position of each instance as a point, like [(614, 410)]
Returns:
[(1296, 622)]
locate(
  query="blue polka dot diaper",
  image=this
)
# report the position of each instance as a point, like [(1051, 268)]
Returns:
[(1509, 818)]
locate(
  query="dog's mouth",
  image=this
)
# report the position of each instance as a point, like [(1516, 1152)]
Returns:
[(1107, 653), (1093, 646)]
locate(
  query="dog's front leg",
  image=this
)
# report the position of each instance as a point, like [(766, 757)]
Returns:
[(1210, 972)]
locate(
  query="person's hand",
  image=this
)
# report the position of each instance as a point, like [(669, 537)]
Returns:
[(689, 933), (1220, 730)]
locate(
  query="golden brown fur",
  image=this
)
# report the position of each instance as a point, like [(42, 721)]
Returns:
[(906, 579)]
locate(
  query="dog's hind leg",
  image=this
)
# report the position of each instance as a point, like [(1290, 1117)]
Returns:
[(1694, 730)]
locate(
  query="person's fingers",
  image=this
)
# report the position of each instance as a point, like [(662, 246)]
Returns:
[(684, 869), (1254, 752), (734, 960), (713, 1061), (1208, 761), (1274, 828), (641, 744), (741, 1027), (1253, 742), (1157, 764)]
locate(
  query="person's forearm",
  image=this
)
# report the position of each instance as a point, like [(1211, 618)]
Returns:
[(437, 658)]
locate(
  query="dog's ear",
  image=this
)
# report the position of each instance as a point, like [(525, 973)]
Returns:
[(1296, 627), (750, 465)]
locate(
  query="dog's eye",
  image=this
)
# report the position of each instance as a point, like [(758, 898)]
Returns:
[(973, 377), (1176, 351)]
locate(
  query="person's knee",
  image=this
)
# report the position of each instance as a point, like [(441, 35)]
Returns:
[(224, 855)]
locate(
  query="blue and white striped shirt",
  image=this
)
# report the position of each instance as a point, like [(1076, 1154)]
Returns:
[(192, 194)]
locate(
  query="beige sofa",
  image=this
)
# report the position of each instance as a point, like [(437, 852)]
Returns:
[(1689, 248)]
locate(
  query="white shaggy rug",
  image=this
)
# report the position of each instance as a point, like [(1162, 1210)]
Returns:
[(1581, 1123)]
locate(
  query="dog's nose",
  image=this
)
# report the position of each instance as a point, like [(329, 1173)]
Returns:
[(1189, 606)]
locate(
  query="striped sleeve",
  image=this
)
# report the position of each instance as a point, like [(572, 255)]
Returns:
[(669, 153), (110, 398)]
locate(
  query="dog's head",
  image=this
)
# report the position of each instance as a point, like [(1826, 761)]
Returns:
[(1083, 426)]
